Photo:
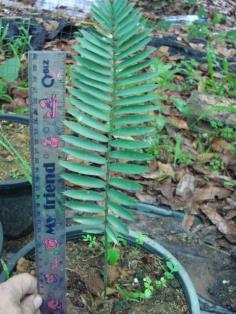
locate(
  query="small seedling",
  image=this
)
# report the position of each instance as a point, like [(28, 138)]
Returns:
[(91, 240), (181, 156), (138, 295), (15, 175), (168, 274), (131, 295), (173, 268), (113, 255), (162, 282), (216, 163), (169, 269), (229, 184), (122, 241), (228, 133), (165, 74), (182, 107), (148, 285), (140, 238)]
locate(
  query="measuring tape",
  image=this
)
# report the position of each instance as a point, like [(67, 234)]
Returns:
[(47, 92)]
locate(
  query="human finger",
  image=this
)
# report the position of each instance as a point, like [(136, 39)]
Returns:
[(21, 285), (31, 304)]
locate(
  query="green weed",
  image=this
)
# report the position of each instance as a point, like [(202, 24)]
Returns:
[(168, 274), (169, 270), (91, 240), (5, 269), (180, 156), (216, 163)]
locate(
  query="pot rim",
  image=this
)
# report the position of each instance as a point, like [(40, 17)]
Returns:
[(17, 183), (74, 233)]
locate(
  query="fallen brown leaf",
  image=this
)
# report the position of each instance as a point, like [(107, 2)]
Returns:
[(210, 193), (165, 170), (93, 281), (186, 186), (22, 265), (205, 157), (231, 214), (20, 92), (113, 274), (228, 228), (178, 122), (199, 169), (51, 25), (188, 222), (167, 189), (145, 198), (220, 146), (163, 50)]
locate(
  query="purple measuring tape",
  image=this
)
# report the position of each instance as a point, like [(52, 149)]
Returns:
[(47, 93)]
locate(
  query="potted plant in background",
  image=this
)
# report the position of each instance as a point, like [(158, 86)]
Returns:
[(110, 119), (15, 184)]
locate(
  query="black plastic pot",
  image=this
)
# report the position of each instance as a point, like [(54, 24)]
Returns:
[(16, 198), (75, 233), (1, 239)]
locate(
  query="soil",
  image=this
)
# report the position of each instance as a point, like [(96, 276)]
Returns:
[(85, 283), (18, 135), (211, 266)]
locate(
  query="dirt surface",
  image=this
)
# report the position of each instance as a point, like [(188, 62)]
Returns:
[(18, 135), (211, 267), (85, 284)]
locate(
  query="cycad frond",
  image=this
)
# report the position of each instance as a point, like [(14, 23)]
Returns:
[(110, 116)]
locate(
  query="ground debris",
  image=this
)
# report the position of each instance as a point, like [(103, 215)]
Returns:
[(226, 227)]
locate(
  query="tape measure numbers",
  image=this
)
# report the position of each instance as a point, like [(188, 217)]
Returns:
[(47, 93)]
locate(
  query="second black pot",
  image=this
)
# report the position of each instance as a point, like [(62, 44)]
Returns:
[(16, 198), (1, 239)]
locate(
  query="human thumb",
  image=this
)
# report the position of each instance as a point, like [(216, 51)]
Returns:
[(31, 304)]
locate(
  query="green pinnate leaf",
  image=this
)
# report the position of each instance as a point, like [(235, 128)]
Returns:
[(128, 168), (84, 207), (132, 131), (132, 119), (84, 155), (121, 198), (82, 169), (84, 195), (130, 155), (129, 144), (84, 143), (85, 131), (89, 220), (125, 184), (121, 211), (111, 234), (84, 181), (117, 224)]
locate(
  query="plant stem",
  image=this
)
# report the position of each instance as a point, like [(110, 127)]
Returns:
[(106, 242)]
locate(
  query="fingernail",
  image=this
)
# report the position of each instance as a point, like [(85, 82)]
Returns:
[(37, 302)]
